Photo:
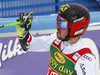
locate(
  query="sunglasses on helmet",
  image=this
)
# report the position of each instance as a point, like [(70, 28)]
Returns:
[(61, 22)]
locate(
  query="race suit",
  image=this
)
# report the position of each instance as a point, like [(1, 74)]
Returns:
[(66, 58)]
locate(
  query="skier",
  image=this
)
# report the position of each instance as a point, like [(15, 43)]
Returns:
[(69, 54)]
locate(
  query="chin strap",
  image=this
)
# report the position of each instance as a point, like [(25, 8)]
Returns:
[(67, 36)]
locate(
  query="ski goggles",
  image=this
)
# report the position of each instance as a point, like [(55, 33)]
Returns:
[(61, 22)]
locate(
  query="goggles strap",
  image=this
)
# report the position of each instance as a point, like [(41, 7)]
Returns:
[(67, 36)]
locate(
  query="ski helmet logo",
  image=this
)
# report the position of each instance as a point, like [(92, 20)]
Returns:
[(65, 7), (78, 32), (59, 57), (78, 19)]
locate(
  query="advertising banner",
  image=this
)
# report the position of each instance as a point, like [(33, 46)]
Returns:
[(14, 61)]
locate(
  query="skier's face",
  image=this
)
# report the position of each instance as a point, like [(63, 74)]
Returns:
[(61, 26), (61, 33)]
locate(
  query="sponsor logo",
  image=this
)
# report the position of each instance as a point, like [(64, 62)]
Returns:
[(51, 72), (65, 70), (87, 57), (59, 57), (65, 7), (55, 65), (57, 42), (78, 19), (82, 68), (78, 32), (11, 50), (76, 56)]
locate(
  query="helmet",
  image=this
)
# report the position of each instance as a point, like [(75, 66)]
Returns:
[(77, 17)]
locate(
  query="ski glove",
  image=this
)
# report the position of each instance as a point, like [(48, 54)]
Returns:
[(24, 24)]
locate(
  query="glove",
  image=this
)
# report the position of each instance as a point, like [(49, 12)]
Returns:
[(23, 29), (23, 24)]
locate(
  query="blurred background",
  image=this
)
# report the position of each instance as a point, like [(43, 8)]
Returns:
[(11, 8), (13, 61), (44, 11)]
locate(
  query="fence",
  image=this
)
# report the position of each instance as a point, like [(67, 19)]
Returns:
[(11, 8)]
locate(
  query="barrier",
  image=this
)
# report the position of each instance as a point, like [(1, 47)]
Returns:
[(44, 22), (11, 8), (13, 61)]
